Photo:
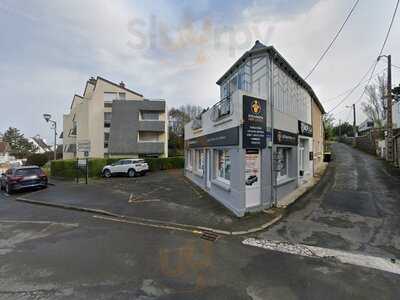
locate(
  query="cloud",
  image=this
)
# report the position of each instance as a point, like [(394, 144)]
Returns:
[(174, 50)]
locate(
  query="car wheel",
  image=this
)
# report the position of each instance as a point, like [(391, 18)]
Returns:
[(131, 173), (107, 173), (8, 189)]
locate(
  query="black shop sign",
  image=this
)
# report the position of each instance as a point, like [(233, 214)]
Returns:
[(254, 122), (282, 137), (227, 137), (305, 129)]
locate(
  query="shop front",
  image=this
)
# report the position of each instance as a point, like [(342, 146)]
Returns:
[(228, 163), (305, 152)]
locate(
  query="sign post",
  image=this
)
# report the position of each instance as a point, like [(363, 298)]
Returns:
[(84, 146)]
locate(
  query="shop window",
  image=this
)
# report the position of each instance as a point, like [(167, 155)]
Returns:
[(222, 166), (199, 160), (283, 159), (189, 159)]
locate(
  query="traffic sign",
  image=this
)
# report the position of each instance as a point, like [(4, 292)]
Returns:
[(84, 146)]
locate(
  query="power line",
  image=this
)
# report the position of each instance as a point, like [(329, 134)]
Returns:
[(380, 52), (350, 91), (334, 39), (354, 88), (395, 66), (347, 91), (375, 62)]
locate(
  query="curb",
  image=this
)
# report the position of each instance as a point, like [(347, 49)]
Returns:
[(70, 207), (151, 222)]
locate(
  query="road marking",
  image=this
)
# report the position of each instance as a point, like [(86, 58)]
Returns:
[(39, 222), (374, 262)]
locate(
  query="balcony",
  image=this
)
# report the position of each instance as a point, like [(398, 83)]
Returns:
[(153, 126), (222, 109), (150, 147)]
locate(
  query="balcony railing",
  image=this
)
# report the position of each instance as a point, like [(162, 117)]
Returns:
[(197, 122), (222, 109)]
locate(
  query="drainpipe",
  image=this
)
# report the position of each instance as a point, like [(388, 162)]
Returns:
[(271, 96)]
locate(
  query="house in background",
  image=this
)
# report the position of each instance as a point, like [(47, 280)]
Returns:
[(318, 135), (40, 144), (116, 121), (256, 144), (4, 152)]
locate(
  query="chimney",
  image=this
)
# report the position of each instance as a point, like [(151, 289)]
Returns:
[(92, 80), (122, 84)]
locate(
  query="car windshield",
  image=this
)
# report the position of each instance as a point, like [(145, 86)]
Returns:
[(27, 172)]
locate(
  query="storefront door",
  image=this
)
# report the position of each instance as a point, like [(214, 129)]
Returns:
[(301, 158), (252, 178)]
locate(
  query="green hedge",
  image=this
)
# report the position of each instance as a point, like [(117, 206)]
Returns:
[(67, 168), (38, 159)]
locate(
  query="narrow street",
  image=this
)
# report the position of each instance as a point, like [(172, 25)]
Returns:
[(355, 207)]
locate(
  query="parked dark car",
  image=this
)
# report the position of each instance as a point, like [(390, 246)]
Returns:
[(26, 177)]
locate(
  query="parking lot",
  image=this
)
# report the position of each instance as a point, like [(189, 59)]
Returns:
[(165, 196)]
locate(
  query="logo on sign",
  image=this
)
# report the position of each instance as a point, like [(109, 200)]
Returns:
[(256, 107)]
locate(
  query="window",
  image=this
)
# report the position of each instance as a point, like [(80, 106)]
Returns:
[(222, 166), (283, 163), (150, 115), (109, 97), (107, 119), (189, 159), (199, 160), (148, 136)]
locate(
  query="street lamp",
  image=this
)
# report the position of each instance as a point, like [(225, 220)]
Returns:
[(53, 125)]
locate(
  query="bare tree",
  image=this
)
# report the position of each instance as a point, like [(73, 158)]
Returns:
[(192, 111), (375, 108)]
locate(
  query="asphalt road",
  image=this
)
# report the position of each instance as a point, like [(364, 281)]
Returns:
[(48, 253), (355, 207)]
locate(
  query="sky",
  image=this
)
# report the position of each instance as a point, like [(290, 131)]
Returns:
[(177, 50)]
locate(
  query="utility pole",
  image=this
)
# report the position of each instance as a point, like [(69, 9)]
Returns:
[(354, 120), (389, 123), (340, 128)]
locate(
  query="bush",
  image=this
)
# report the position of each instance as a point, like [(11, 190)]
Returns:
[(156, 164), (37, 159), (67, 168), (63, 168)]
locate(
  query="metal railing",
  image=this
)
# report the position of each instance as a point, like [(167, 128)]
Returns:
[(197, 123), (222, 109)]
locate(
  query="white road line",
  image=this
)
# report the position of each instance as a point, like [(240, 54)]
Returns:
[(374, 262), (39, 222)]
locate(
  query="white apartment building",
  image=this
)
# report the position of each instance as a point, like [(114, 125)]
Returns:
[(116, 122)]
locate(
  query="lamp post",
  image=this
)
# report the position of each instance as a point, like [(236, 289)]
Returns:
[(53, 125)]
